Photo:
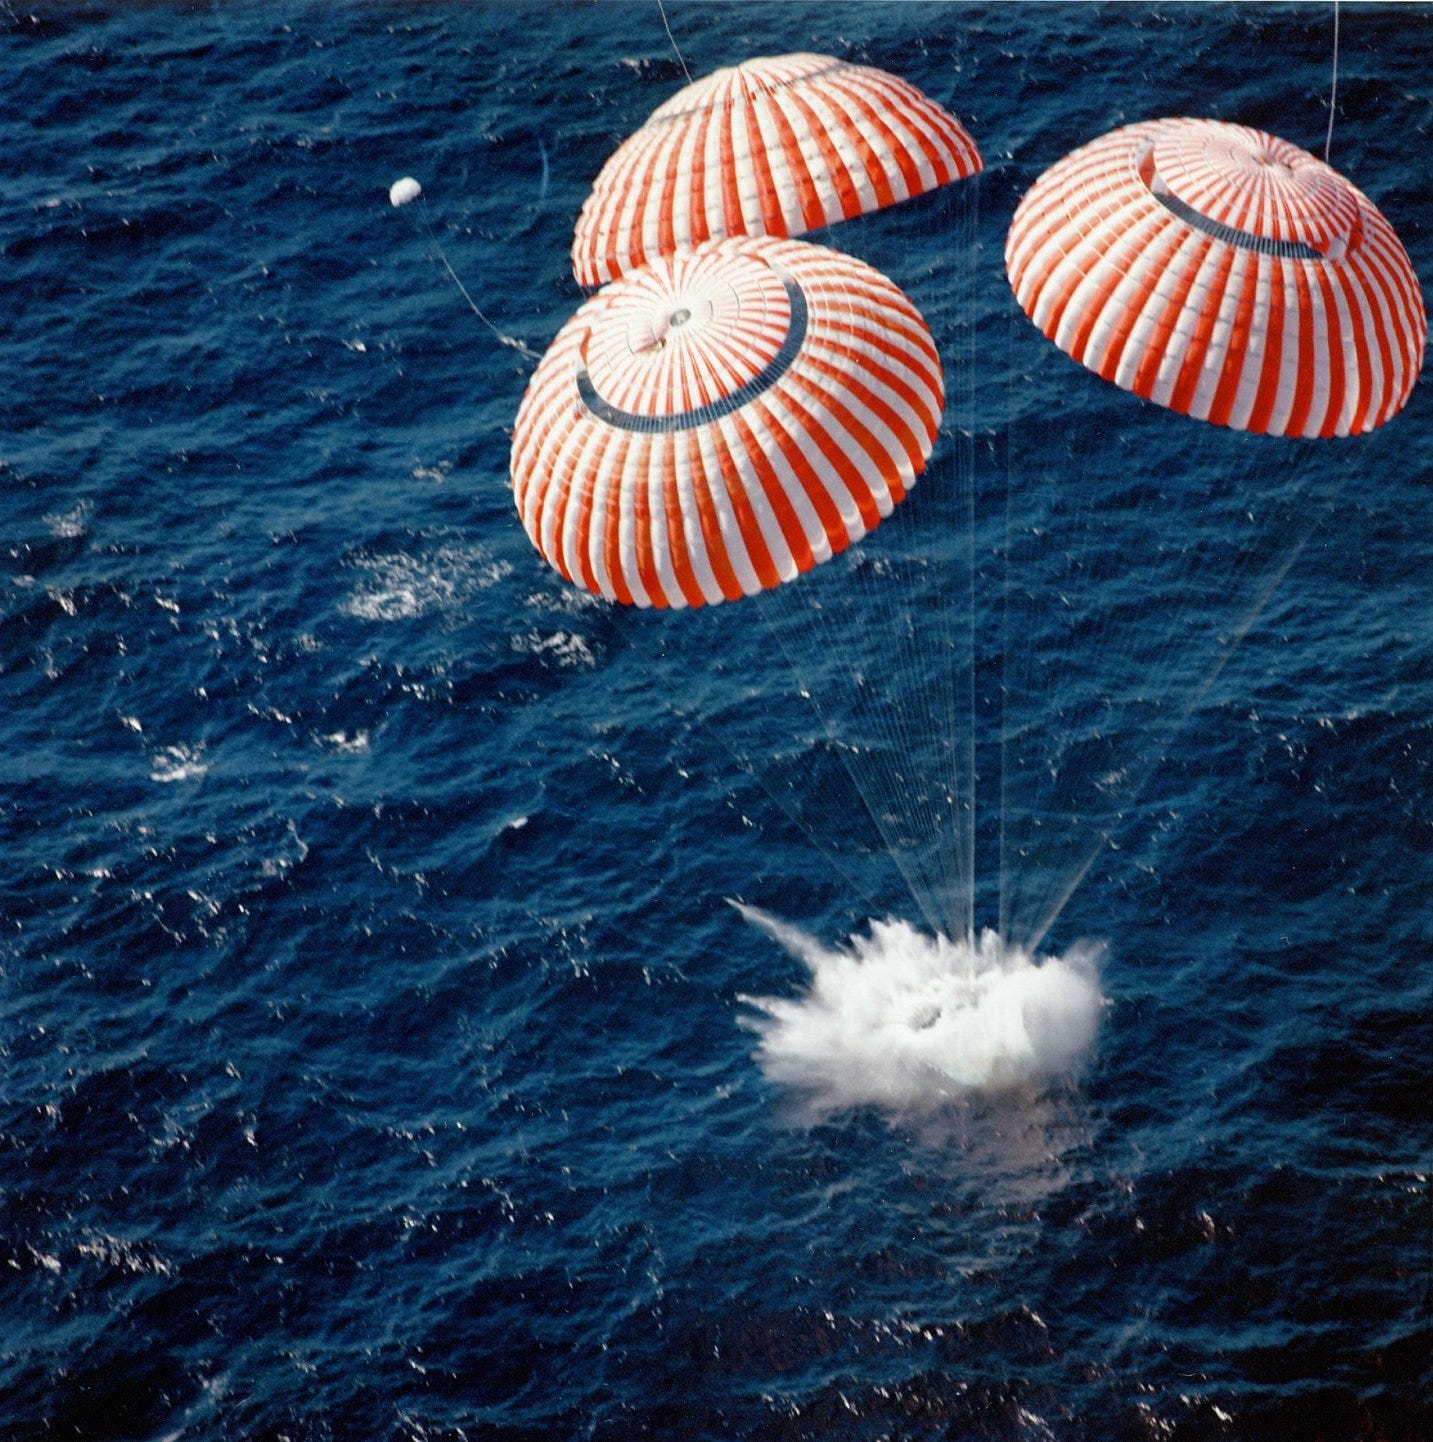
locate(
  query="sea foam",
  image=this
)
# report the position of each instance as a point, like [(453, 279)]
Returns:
[(906, 1021)]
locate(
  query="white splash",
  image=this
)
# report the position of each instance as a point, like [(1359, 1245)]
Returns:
[(177, 763), (70, 525), (401, 586), (905, 1021), (567, 648), (344, 742)]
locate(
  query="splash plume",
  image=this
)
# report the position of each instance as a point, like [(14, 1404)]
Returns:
[(906, 1021)]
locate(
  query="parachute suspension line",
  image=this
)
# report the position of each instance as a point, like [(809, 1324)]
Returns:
[(889, 684), (877, 750), (670, 37), (1156, 753), (808, 636), (966, 799), (942, 632), (1096, 597), (503, 337), (1333, 91), (933, 711), (804, 824), (1007, 580), (906, 707), (943, 660)]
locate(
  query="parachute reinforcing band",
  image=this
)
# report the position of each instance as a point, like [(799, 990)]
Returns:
[(1229, 234), (763, 380)]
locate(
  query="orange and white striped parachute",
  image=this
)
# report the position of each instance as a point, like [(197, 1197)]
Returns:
[(1224, 273), (775, 146), (723, 420)]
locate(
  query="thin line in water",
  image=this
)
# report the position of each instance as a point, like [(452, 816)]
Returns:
[(503, 337)]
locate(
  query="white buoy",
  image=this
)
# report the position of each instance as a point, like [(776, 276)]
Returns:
[(402, 191)]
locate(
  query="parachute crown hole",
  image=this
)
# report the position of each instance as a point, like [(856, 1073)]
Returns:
[(1268, 161), (661, 330)]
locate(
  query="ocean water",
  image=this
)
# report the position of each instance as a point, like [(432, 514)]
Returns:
[(379, 1055)]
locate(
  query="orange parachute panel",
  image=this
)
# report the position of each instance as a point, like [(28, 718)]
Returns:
[(723, 420), (1224, 273), (776, 146)]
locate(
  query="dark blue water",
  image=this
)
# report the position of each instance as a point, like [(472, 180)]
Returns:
[(372, 1064)]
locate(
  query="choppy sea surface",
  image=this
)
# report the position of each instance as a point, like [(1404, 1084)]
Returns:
[(376, 1040)]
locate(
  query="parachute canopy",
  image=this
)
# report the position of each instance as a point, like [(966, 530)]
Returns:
[(1224, 273), (402, 191), (723, 420), (775, 146)]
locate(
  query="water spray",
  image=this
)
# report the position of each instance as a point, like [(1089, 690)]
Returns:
[(909, 1022)]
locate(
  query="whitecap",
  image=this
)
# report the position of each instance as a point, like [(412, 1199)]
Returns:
[(177, 763), (566, 600), (123, 1255), (399, 587), (346, 743), (70, 525), (567, 648)]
